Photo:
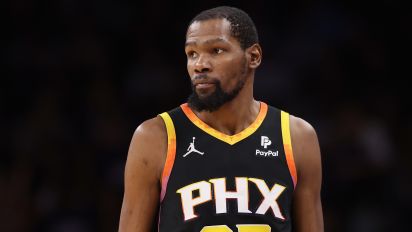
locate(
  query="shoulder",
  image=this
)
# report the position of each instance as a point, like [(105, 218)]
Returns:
[(305, 144), (151, 133), (151, 129), (301, 130), (149, 144)]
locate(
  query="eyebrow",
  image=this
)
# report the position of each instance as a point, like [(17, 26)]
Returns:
[(209, 41)]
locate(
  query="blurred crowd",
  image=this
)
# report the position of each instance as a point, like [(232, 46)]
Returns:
[(79, 78)]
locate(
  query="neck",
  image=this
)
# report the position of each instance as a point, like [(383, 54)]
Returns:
[(236, 115)]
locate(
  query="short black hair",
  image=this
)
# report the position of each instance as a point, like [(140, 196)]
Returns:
[(241, 25)]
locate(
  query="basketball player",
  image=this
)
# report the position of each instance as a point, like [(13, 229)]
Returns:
[(223, 161)]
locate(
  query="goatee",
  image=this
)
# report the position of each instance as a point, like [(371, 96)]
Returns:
[(215, 100)]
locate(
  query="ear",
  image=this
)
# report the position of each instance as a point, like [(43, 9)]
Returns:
[(254, 53)]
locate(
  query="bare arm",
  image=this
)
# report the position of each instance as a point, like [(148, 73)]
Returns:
[(144, 165), (307, 206)]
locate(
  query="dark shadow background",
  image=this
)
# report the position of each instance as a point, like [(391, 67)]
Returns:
[(80, 76)]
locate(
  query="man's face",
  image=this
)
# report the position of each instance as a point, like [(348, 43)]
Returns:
[(216, 64)]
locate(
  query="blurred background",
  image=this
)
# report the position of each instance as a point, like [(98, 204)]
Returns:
[(80, 76)]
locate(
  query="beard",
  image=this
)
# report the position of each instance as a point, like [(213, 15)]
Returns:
[(217, 98)]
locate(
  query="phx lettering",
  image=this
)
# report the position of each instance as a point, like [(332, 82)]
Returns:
[(241, 194)]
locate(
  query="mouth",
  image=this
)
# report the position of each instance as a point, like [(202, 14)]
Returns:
[(203, 83), (203, 80), (201, 86)]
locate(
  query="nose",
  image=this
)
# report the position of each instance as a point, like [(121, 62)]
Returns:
[(202, 64)]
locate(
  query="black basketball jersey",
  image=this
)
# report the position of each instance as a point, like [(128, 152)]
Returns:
[(213, 182)]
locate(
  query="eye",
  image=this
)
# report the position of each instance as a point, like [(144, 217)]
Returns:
[(217, 50), (191, 54)]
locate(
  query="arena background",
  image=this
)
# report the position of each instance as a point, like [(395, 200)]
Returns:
[(80, 76)]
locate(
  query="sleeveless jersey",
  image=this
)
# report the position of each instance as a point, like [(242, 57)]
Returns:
[(213, 182)]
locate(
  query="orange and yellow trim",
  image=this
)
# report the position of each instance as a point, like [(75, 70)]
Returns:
[(287, 145), (230, 139), (171, 152)]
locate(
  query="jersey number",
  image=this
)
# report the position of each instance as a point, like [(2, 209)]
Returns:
[(241, 228)]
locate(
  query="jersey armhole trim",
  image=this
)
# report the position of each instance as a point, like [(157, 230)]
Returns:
[(287, 145), (171, 153)]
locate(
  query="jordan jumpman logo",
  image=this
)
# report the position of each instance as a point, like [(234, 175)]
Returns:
[(192, 148)]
